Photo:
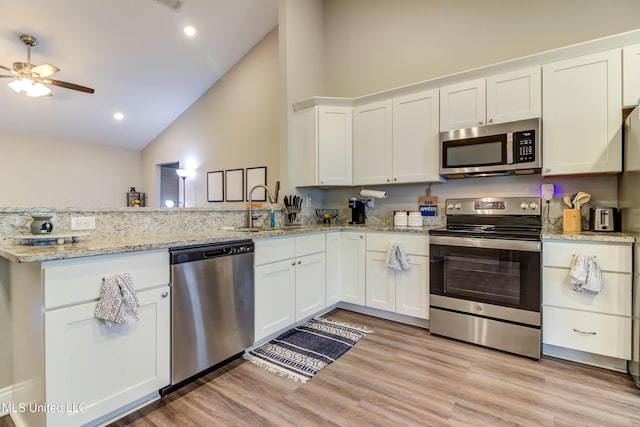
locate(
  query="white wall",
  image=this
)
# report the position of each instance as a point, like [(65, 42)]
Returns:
[(302, 67), (43, 172), (373, 45), (235, 124)]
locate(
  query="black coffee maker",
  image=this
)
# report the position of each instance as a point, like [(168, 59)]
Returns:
[(357, 210)]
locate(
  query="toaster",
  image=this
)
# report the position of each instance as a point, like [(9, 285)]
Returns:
[(604, 219)]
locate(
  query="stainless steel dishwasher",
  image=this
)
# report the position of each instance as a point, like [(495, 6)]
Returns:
[(212, 306)]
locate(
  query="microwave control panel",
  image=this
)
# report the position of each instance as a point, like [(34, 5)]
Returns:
[(525, 146)]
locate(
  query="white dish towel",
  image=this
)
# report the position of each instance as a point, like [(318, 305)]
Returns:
[(397, 258), (118, 302), (585, 274)]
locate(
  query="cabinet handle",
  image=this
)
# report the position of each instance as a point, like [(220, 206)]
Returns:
[(388, 180), (583, 332), (480, 122), (361, 236), (395, 179), (165, 294), (490, 120), (293, 263), (547, 170), (299, 262)]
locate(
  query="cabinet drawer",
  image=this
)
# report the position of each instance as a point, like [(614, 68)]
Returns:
[(615, 297), (274, 249), (601, 333), (412, 244), (311, 244), (610, 257), (75, 281)]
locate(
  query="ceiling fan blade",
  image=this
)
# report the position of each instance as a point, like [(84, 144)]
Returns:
[(9, 70), (67, 85), (3, 75), (45, 70)]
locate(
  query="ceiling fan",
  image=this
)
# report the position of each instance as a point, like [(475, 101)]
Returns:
[(32, 79)]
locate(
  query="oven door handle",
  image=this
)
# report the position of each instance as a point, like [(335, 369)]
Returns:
[(470, 242)]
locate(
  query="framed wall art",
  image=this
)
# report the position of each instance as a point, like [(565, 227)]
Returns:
[(234, 185), (257, 176), (215, 186)]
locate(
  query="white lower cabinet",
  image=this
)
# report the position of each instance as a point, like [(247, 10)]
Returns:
[(289, 289), (352, 267), (94, 369), (333, 259), (67, 359), (274, 297), (403, 292), (597, 324)]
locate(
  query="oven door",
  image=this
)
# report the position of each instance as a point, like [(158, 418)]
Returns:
[(501, 275)]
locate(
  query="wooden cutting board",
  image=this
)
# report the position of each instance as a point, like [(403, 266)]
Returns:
[(428, 204)]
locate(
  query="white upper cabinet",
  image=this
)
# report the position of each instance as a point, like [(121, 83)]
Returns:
[(497, 99), (631, 75), (396, 140), (323, 144), (372, 145), (582, 124), (416, 137), (463, 105), (514, 96)]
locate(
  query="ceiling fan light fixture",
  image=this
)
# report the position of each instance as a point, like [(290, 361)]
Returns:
[(21, 85), (38, 89), (189, 31)]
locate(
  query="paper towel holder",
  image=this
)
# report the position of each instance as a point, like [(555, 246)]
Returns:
[(373, 193)]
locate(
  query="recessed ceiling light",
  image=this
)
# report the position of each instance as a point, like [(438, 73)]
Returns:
[(118, 116), (189, 31)]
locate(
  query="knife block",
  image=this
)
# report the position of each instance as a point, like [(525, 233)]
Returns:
[(571, 221)]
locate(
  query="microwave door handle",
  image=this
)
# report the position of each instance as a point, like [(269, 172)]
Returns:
[(509, 148)]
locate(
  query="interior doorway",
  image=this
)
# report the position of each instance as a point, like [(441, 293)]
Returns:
[(169, 184)]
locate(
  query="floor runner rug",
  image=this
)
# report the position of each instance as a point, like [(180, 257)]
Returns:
[(302, 352)]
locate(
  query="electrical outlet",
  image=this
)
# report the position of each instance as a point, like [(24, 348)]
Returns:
[(83, 223), (370, 203)]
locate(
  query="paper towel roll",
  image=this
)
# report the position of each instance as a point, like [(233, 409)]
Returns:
[(373, 193)]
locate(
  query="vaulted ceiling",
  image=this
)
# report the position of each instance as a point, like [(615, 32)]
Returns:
[(135, 55)]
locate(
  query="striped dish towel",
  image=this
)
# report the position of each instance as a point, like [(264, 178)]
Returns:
[(118, 302)]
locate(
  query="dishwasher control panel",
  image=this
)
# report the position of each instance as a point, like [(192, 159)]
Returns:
[(179, 256)]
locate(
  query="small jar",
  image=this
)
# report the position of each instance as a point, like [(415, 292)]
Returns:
[(414, 219), (400, 219)]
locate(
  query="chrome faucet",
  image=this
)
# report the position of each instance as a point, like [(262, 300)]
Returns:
[(271, 200)]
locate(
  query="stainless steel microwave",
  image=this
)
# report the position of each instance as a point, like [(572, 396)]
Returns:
[(495, 150)]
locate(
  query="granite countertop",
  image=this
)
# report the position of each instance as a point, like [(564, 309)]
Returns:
[(590, 236), (120, 244)]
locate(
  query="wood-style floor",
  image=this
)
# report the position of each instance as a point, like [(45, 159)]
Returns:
[(402, 376)]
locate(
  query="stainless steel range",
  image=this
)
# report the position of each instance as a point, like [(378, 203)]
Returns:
[(485, 274)]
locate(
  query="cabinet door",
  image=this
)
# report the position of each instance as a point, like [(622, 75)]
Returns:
[(305, 128), (582, 104), (462, 105), (630, 73), (381, 283), (335, 146), (105, 368), (310, 285), (514, 96), (412, 288), (352, 268), (416, 137), (372, 162), (333, 262), (275, 297)]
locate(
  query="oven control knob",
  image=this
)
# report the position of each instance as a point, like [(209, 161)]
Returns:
[(533, 205), (458, 206), (450, 206), (523, 205)]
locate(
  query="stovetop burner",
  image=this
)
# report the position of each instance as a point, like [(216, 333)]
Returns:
[(510, 218)]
